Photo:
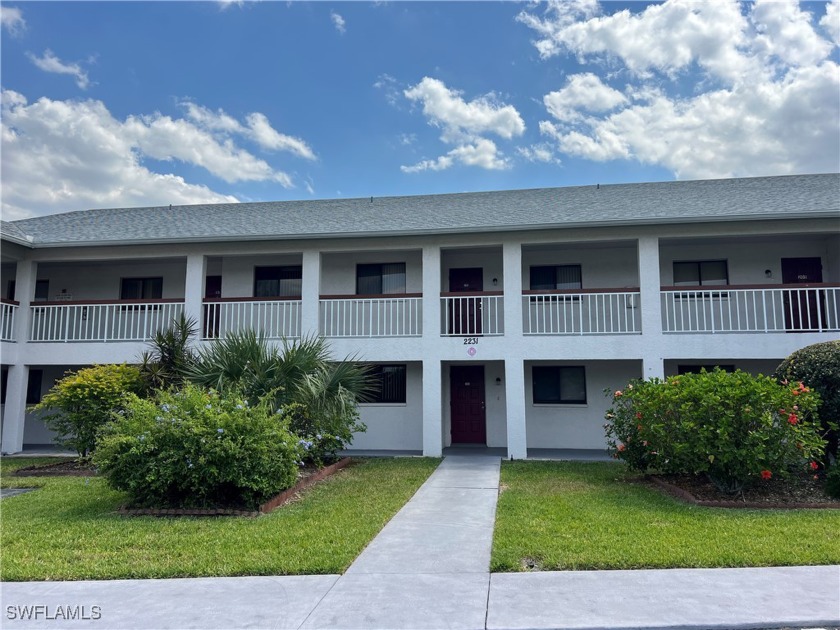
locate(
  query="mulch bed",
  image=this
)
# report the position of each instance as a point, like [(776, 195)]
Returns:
[(72, 468), (793, 493), (307, 478)]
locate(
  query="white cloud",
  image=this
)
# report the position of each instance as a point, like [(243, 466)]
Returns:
[(767, 100), (69, 155), (389, 85), (463, 123), (542, 152), (50, 63), (11, 18), (831, 21), (258, 129), (585, 92), (338, 22)]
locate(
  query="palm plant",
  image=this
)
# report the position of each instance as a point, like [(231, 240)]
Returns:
[(170, 358)]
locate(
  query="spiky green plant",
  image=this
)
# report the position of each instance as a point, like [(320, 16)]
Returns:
[(166, 364)]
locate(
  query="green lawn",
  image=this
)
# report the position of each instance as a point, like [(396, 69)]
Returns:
[(68, 529), (568, 515)]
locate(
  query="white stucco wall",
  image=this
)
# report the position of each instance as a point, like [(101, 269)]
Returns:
[(602, 266), (101, 280), (338, 271), (749, 259), (238, 272), (393, 426), (576, 426)]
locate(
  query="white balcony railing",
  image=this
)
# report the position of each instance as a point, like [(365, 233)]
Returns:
[(726, 309), (273, 319), (593, 312), (8, 311), (125, 320), (372, 316), (472, 314)]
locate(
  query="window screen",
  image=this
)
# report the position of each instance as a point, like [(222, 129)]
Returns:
[(379, 279), (141, 288), (278, 281), (551, 277), (701, 272), (555, 384), (390, 384)]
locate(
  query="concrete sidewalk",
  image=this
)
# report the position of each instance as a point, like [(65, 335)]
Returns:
[(428, 568)]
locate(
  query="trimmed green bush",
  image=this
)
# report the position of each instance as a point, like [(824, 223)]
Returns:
[(832, 482), (734, 427), (194, 448), (818, 366), (82, 402)]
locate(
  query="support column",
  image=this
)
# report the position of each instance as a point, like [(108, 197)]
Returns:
[(512, 269), (431, 293), (651, 307), (517, 444), (194, 290), (14, 411), (432, 408), (432, 372), (310, 294)]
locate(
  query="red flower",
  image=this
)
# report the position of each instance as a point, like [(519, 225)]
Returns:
[(793, 419), (621, 447), (795, 392), (814, 465), (766, 474), (638, 415), (638, 427), (619, 393)]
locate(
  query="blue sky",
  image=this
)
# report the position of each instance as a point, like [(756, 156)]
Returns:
[(113, 104)]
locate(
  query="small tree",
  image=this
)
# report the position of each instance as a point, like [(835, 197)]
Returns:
[(733, 427), (818, 366), (166, 364), (82, 402)]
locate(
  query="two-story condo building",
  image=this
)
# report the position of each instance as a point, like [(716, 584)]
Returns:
[(494, 318)]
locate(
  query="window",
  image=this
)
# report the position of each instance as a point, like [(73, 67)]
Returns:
[(701, 273), (389, 384), (42, 291), (278, 281), (141, 288), (10, 290), (559, 385), (695, 369), (4, 383), (552, 277), (380, 279), (33, 387)]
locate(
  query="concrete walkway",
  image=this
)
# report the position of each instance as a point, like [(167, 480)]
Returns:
[(428, 568)]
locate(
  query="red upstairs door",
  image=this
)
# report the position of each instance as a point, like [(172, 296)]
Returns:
[(464, 313), (466, 389), (804, 310)]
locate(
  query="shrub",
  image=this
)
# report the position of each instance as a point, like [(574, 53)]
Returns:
[(818, 366), (318, 443), (168, 361), (300, 373), (733, 427), (193, 448), (832, 482), (82, 402)]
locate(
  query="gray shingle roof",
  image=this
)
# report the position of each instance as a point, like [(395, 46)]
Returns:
[(794, 196)]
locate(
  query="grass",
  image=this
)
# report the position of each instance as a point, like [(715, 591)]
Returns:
[(68, 530), (568, 515)]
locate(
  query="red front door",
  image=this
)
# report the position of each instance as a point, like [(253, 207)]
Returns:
[(804, 310), (464, 313), (467, 404)]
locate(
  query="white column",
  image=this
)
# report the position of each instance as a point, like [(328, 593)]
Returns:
[(651, 309), (431, 292), (432, 408), (14, 411), (512, 268), (432, 369), (517, 445), (194, 290), (310, 294)]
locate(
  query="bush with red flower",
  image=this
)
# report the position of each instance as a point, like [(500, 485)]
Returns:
[(733, 427)]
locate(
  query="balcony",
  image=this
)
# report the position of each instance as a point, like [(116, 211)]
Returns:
[(271, 318), (751, 309), (8, 311), (371, 315), (581, 312), (473, 313), (102, 320)]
